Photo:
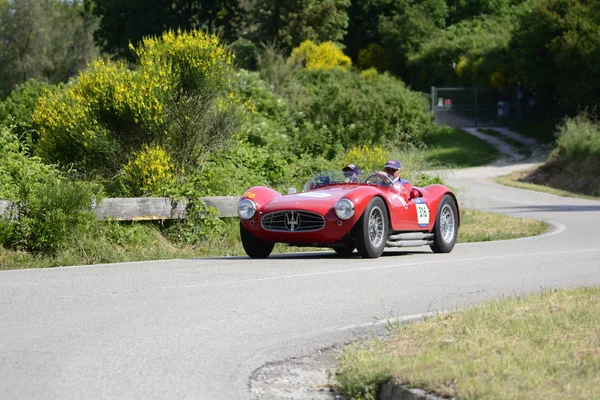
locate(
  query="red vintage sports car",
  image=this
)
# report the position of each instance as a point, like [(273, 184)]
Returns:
[(333, 211)]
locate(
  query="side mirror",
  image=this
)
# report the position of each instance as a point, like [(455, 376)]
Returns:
[(415, 194)]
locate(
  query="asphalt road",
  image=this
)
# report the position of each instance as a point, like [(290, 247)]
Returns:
[(198, 328)]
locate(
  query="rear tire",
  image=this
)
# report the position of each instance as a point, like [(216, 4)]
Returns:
[(371, 230), (255, 247), (445, 229)]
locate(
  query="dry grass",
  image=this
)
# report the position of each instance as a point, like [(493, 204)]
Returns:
[(541, 346)]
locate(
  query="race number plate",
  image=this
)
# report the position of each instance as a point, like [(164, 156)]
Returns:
[(422, 212)]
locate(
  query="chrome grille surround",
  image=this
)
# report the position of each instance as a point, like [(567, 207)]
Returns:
[(292, 221)]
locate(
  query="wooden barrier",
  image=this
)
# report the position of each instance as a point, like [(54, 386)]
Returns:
[(151, 208)]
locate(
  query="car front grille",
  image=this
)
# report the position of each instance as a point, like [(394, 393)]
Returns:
[(292, 221)]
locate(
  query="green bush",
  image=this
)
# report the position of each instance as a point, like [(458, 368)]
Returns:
[(19, 173), (556, 49), (177, 97), (578, 138), (50, 216), (349, 109), (16, 111), (246, 54)]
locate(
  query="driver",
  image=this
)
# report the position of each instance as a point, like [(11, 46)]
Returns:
[(392, 170), (351, 173)]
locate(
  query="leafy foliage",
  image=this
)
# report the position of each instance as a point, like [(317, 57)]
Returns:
[(128, 22), (291, 22), (47, 40), (176, 97), (18, 172), (16, 110), (578, 138), (366, 157), (323, 56), (149, 172), (557, 52), (246, 54)]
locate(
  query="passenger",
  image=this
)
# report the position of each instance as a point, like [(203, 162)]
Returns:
[(392, 170), (351, 173)]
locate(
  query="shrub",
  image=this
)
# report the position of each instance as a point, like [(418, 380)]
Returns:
[(349, 109), (19, 173), (178, 97), (374, 56), (367, 158), (246, 54), (149, 172), (578, 138), (16, 111), (50, 216), (323, 56)]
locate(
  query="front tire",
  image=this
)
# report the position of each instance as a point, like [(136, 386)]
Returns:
[(255, 247), (371, 230), (445, 229)]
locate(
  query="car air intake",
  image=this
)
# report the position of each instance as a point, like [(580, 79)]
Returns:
[(292, 221)]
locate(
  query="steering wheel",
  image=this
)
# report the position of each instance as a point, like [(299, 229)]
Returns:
[(381, 179)]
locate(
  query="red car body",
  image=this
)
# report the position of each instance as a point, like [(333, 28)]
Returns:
[(402, 212)]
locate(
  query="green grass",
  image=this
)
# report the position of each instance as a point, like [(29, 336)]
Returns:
[(143, 241), (517, 145), (541, 346), (455, 148), (478, 226)]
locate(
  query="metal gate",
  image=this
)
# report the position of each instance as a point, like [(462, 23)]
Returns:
[(475, 106)]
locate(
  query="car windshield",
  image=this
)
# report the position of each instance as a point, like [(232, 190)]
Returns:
[(345, 177)]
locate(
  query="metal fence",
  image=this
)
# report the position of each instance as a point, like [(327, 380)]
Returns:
[(476, 106)]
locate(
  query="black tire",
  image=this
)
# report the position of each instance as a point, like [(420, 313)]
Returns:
[(445, 229), (371, 242), (344, 250), (255, 247)]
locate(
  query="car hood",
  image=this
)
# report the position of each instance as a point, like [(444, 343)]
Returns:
[(319, 201)]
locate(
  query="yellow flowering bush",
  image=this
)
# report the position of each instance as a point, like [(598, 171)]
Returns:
[(366, 157), (149, 172), (178, 95), (190, 60), (67, 126), (325, 56)]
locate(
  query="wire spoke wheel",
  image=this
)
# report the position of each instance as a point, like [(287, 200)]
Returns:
[(446, 226), (371, 231), (376, 227), (447, 223)]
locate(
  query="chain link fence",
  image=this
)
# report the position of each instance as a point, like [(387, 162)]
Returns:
[(476, 106)]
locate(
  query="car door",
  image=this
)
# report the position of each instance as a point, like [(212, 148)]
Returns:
[(408, 214)]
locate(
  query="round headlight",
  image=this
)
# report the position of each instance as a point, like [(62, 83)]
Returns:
[(344, 209), (246, 209)]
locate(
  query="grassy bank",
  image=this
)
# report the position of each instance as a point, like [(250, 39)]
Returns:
[(525, 179), (540, 346), (454, 148), (144, 241)]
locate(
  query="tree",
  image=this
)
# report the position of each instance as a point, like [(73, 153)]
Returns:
[(384, 33), (556, 51), (125, 22), (48, 40), (290, 23)]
